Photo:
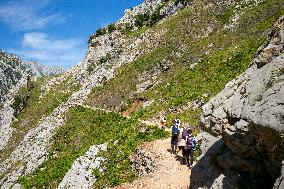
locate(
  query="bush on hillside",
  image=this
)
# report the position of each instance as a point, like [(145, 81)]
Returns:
[(111, 28), (100, 31), (183, 2), (147, 19), (22, 98), (155, 17), (105, 58), (127, 28), (141, 19)]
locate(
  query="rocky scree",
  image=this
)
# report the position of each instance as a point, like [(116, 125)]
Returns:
[(143, 162)]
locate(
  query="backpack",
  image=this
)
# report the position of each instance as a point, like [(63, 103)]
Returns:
[(174, 130), (190, 143), (184, 133)]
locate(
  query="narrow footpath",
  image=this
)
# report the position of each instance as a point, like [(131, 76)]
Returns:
[(170, 173)]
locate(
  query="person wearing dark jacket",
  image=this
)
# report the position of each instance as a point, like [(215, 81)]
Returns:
[(175, 133)]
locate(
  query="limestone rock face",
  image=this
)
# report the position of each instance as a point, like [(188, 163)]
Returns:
[(81, 173), (37, 69), (13, 75), (248, 117), (12, 70)]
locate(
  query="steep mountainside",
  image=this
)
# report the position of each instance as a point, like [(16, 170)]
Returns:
[(14, 72), (78, 130), (13, 75), (15, 85), (40, 70), (11, 72)]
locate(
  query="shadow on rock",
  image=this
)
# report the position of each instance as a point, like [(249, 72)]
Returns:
[(207, 174), (219, 167)]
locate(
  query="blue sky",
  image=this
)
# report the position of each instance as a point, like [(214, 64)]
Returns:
[(55, 32)]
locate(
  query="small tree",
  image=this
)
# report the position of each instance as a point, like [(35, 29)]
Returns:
[(100, 31), (141, 19), (155, 17), (183, 2), (111, 28), (127, 28)]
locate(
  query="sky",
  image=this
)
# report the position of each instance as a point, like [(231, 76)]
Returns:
[(55, 32)]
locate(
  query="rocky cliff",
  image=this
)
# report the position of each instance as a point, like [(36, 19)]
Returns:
[(13, 75), (246, 121), (11, 72), (14, 72), (15, 83), (40, 70)]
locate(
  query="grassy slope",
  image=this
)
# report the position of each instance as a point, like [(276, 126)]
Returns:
[(230, 55), (87, 127)]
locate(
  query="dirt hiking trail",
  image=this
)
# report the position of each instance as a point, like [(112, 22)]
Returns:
[(169, 174)]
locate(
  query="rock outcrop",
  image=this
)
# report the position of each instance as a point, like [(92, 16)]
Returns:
[(16, 73), (81, 173), (12, 71), (38, 70), (143, 162), (13, 75), (246, 124)]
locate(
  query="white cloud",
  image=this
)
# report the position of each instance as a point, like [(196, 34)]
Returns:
[(49, 51), (28, 14)]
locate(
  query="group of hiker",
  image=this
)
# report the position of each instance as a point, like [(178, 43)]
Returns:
[(182, 139)]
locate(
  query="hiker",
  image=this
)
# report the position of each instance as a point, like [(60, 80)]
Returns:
[(163, 121), (190, 147), (182, 141), (175, 133)]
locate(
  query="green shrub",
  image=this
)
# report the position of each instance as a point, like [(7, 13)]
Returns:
[(141, 19), (155, 17), (147, 19), (111, 28), (183, 2), (100, 31), (20, 103), (127, 29), (22, 98), (104, 59), (91, 67)]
